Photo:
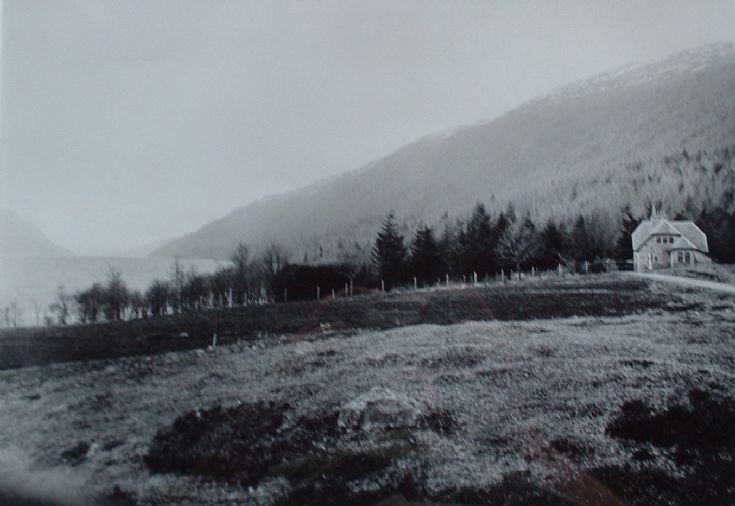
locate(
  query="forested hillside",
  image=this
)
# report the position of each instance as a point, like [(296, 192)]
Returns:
[(656, 133)]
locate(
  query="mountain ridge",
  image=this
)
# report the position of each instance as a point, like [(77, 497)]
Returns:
[(532, 156), (21, 238)]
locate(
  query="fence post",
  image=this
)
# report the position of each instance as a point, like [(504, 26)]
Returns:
[(346, 292), (318, 295), (474, 278), (382, 286), (415, 283), (351, 292), (446, 278), (586, 267), (332, 293), (559, 269), (502, 275)]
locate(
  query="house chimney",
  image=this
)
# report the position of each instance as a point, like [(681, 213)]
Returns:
[(656, 215)]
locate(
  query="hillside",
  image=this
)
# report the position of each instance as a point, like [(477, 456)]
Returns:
[(621, 137), (636, 408), (19, 238)]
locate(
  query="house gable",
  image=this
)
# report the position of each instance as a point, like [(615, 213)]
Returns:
[(664, 228), (687, 230), (693, 233)]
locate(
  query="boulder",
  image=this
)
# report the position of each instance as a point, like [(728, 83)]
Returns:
[(379, 409)]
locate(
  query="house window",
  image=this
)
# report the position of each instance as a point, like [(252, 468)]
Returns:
[(680, 257), (658, 240), (686, 257), (671, 240)]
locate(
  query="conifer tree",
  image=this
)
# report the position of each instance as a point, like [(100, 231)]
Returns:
[(552, 246), (477, 243), (624, 245), (580, 240), (389, 253), (448, 247), (426, 259), (502, 224)]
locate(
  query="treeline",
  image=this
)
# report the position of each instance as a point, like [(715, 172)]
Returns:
[(479, 247), (484, 246), (245, 282)]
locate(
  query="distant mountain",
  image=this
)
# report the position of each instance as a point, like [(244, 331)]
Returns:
[(598, 143), (143, 251), (19, 238)]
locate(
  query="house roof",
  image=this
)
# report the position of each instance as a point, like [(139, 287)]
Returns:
[(683, 228), (683, 243), (664, 228)]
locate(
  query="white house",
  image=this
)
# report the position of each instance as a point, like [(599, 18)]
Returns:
[(659, 243)]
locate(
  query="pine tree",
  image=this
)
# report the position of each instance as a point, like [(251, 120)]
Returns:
[(552, 246), (501, 225), (624, 245), (719, 226), (477, 243), (448, 248), (426, 258), (580, 240), (389, 253)]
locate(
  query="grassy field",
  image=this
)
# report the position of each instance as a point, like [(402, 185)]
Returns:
[(538, 298), (629, 407)]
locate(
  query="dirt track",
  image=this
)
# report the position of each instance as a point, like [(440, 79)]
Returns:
[(697, 283)]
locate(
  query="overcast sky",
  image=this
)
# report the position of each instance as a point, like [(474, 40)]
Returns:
[(127, 122)]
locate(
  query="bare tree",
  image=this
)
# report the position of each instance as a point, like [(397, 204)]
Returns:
[(16, 314), (117, 296), (157, 297), (62, 305), (89, 303), (222, 285), (351, 258), (138, 306), (271, 261), (241, 275), (178, 277), (196, 290), (35, 308)]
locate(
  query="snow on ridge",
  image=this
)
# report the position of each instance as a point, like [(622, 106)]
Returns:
[(637, 74)]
